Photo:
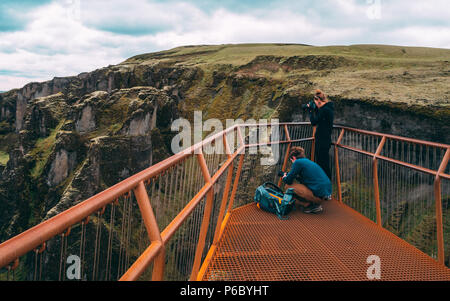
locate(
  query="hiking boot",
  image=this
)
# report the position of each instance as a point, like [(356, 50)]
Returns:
[(313, 208)]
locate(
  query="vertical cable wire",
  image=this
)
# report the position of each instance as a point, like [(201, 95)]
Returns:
[(41, 254), (36, 253), (181, 201), (159, 203), (82, 246), (130, 222), (110, 242), (61, 258), (123, 238), (96, 248)]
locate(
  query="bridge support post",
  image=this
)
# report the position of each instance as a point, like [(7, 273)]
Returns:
[(152, 229), (240, 138), (376, 186), (313, 146), (438, 203), (235, 184), (336, 164), (206, 217), (219, 225), (226, 193), (283, 168)]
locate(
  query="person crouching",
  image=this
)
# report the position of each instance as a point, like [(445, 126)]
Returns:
[(309, 181)]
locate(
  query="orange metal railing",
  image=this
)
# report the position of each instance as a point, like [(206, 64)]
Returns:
[(184, 203), (398, 178)]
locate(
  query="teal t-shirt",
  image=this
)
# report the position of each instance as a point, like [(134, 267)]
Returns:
[(310, 174)]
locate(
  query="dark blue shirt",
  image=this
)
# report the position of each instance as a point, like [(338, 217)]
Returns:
[(323, 119), (310, 174)]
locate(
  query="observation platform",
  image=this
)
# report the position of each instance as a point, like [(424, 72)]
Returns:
[(329, 246), (188, 217)]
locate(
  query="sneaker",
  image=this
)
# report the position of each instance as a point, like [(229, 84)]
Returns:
[(327, 198), (313, 208)]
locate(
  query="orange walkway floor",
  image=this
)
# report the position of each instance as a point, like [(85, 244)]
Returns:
[(332, 245)]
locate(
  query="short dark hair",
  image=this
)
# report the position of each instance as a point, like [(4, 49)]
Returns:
[(297, 152)]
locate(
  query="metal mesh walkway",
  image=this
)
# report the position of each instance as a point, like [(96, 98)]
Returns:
[(333, 245)]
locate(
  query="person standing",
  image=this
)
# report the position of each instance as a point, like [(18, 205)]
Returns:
[(322, 116)]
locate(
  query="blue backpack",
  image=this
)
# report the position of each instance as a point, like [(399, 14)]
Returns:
[(269, 197)]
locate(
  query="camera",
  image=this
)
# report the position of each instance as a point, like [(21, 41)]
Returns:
[(310, 106)]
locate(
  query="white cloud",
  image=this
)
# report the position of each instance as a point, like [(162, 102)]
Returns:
[(139, 16), (437, 36), (60, 40), (9, 81), (432, 10), (53, 45)]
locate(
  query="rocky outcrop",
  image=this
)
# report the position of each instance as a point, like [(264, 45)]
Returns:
[(86, 122), (13, 104), (308, 62), (68, 151)]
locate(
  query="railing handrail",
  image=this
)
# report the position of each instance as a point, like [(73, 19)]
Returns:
[(441, 173), (394, 137), (438, 174), (34, 237)]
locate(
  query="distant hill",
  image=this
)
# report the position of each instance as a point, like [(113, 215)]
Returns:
[(410, 75)]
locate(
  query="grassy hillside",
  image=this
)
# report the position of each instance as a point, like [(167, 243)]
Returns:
[(406, 75)]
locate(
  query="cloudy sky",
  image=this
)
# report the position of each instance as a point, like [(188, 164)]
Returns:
[(41, 39)]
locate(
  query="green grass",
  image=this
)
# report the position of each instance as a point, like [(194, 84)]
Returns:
[(240, 54), (4, 158), (42, 150)]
